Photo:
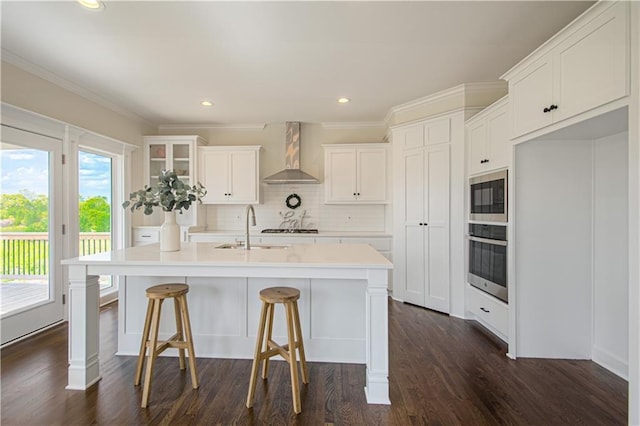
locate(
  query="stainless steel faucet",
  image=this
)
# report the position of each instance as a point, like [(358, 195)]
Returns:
[(253, 223)]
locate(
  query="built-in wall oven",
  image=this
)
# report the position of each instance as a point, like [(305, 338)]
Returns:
[(488, 258), (488, 197)]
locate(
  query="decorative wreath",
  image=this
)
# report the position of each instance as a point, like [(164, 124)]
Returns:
[(294, 201)]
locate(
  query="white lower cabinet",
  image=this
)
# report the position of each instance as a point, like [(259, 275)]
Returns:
[(143, 235), (489, 311)]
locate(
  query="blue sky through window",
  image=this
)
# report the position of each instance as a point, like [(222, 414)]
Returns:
[(26, 169)]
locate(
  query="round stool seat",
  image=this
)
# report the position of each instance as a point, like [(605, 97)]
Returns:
[(279, 294), (166, 291)]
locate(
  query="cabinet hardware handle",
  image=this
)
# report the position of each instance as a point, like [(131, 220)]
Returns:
[(546, 109), (358, 194), (421, 224), (354, 193), (552, 107), (485, 310)]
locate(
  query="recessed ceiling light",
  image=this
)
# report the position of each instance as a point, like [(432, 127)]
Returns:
[(343, 100), (206, 103), (92, 4)]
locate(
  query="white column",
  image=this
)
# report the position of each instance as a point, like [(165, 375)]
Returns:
[(84, 329), (377, 385)]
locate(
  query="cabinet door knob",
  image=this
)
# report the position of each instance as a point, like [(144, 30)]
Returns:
[(546, 109), (358, 194), (552, 107)]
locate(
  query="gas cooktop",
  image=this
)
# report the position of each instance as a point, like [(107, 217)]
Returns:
[(289, 231)]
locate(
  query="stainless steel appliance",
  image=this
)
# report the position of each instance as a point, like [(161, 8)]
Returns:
[(289, 231), (489, 197), (488, 259)]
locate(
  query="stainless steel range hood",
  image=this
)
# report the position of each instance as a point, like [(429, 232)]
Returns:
[(292, 172)]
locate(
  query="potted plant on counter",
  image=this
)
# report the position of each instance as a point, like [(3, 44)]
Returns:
[(172, 195)]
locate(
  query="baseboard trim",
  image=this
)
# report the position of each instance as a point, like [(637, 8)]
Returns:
[(606, 359)]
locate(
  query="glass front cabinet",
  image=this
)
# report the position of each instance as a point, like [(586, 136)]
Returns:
[(176, 153)]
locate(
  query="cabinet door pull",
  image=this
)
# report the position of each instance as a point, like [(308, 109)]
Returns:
[(552, 107), (485, 310), (545, 110)]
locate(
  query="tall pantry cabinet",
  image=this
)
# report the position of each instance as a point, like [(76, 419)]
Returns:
[(422, 232)]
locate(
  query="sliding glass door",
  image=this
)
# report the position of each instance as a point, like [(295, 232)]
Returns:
[(30, 232)]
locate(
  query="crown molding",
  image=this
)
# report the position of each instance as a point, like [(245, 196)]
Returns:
[(444, 94), (47, 75), (52, 127), (210, 126), (353, 125)]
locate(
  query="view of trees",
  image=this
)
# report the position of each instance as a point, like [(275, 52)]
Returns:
[(28, 212)]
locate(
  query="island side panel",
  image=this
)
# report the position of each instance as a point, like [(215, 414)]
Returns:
[(377, 376), (84, 328), (225, 311)]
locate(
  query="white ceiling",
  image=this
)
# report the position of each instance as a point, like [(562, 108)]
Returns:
[(269, 62)]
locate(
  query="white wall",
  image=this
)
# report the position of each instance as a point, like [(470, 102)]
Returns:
[(318, 215), (610, 269), (572, 250), (553, 249)]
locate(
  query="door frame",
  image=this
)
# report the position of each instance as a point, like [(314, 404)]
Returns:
[(25, 321)]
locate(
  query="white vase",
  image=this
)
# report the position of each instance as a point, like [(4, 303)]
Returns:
[(170, 233)]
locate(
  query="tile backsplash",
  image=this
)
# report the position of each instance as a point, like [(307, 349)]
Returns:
[(313, 212)]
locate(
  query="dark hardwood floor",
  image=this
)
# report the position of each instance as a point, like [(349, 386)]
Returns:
[(443, 370)]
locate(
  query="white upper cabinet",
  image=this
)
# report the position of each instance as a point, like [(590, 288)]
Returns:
[(429, 133), (355, 174), (230, 174), (487, 138), (177, 153), (583, 67), (171, 153)]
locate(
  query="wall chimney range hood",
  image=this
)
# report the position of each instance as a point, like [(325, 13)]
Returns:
[(291, 172)]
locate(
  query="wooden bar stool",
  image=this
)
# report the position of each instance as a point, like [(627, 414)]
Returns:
[(181, 340), (267, 348)]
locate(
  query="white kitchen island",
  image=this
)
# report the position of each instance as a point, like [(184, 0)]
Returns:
[(343, 303)]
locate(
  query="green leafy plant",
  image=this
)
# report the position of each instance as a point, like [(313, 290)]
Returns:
[(170, 193)]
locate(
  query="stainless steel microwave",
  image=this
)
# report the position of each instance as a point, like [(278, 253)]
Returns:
[(488, 195)]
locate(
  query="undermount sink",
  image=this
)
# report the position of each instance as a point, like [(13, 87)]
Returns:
[(253, 246)]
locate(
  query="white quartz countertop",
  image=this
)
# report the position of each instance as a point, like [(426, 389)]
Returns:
[(206, 254), (343, 234)]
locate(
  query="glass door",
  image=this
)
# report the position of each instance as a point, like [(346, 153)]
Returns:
[(30, 232), (95, 185)]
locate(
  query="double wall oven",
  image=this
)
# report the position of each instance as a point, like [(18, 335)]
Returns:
[(488, 234)]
